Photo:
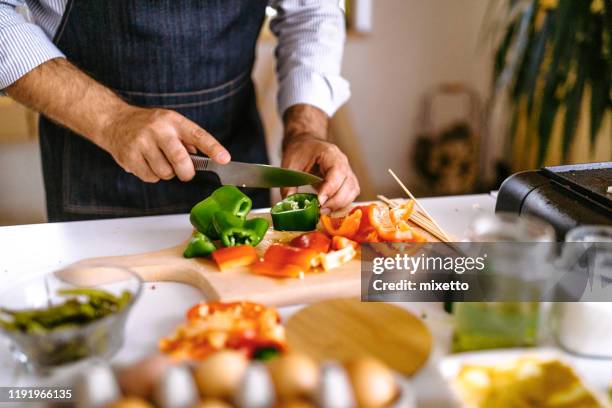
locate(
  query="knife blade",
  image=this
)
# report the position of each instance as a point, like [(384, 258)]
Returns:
[(254, 175)]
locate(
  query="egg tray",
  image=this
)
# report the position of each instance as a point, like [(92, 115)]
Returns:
[(177, 388)]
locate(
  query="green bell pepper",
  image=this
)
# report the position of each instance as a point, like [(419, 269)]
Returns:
[(260, 226), (297, 212), (225, 198), (234, 230), (199, 245)]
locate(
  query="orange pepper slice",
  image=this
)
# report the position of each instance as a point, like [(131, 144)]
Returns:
[(277, 270), (343, 226), (401, 212), (234, 257), (339, 242), (287, 255), (390, 231)]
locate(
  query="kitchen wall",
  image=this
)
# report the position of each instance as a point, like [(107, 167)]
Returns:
[(414, 44)]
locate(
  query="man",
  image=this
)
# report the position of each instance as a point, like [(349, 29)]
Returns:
[(128, 88)]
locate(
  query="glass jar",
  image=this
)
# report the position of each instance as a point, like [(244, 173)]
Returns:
[(572, 320), (485, 325)]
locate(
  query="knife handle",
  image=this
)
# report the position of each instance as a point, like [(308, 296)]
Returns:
[(200, 163)]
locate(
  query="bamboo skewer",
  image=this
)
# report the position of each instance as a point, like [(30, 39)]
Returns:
[(419, 205)]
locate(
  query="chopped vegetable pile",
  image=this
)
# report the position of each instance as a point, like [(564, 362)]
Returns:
[(374, 223), (248, 327), (222, 216), (224, 233), (85, 305)]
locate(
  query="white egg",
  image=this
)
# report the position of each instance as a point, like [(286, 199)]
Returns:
[(334, 389), (256, 389), (97, 387), (177, 389)]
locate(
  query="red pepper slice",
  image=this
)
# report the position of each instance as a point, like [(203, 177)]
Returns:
[(233, 257), (313, 240), (288, 255), (277, 270), (343, 242), (366, 231), (343, 226)]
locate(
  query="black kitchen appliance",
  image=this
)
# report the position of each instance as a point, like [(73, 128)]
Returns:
[(564, 196)]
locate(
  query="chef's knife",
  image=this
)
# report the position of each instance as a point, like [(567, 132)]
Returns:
[(254, 175)]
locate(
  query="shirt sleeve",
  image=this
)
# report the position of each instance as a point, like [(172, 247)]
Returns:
[(311, 36), (23, 45)]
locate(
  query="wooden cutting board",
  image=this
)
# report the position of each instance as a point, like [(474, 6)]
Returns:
[(237, 284), (345, 329)]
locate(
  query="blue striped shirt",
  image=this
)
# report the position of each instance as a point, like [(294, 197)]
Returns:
[(310, 33)]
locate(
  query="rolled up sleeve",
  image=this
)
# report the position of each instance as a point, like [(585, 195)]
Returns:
[(23, 45), (311, 35)]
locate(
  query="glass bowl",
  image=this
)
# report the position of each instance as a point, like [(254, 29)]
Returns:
[(49, 349)]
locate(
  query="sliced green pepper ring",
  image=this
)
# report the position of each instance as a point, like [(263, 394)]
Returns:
[(297, 212)]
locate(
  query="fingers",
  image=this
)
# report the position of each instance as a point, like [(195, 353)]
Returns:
[(334, 179), (345, 195), (285, 191), (194, 135), (141, 169), (158, 163), (178, 157)]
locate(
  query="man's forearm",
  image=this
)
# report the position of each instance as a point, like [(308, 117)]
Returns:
[(69, 97), (304, 121)]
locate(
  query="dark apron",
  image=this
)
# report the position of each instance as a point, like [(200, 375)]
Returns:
[(191, 56)]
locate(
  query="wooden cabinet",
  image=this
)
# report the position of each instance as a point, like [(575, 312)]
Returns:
[(17, 123)]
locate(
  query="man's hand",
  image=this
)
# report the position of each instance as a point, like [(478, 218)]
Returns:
[(305, 149), (154, 144)]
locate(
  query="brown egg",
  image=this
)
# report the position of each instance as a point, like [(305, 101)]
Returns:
[(130, 402), (212, 403), (294, 376), (220, 374), (373, 383), (140, 378), (295, 404)]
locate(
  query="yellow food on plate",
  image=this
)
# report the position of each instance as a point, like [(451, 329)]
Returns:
[(219, 375), (373, 383), (526, 382), (294, 376)]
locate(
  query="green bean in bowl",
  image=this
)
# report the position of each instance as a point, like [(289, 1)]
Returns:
[(51, 322)]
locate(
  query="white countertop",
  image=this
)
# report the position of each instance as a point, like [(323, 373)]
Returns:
[(28, 250)]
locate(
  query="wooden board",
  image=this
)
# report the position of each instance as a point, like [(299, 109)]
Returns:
[(237, 284), (343, 329)]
